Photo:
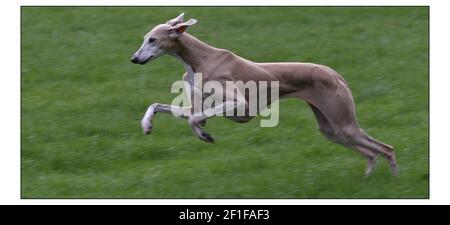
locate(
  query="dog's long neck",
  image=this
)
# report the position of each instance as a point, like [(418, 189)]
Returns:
[(192, 52)]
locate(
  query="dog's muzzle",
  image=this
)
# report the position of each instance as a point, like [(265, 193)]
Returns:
[(135, 60)]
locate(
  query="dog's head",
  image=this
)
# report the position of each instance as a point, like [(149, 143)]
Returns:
[(161, 39)]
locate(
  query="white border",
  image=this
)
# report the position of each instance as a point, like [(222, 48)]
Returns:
[(10, 102)]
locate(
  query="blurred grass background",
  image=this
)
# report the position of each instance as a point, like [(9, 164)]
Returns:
[(82, 101)]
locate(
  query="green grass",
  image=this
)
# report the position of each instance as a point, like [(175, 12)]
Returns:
[(82, 102)]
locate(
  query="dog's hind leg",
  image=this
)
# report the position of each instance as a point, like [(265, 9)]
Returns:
[(385, 150), (390, 149), (371, 157), (328, 131), (337, 107)]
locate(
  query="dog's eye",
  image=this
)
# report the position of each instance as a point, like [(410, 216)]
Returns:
[(151, 40)]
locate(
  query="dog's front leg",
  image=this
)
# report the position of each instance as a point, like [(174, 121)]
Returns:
[(195, 122), (154, 108), (227, 106)]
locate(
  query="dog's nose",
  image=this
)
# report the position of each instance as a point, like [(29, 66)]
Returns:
[(134, 59)]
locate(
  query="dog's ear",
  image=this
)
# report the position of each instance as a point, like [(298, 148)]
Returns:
[(176, 20), (179, 29)]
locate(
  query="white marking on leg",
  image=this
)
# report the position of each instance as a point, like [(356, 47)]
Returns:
[(154, 108), (146, 120)]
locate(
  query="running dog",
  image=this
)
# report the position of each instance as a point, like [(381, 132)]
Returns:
[(324, 90)]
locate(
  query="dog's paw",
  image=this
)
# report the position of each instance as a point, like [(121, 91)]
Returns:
[(206, 137), (146, 127)]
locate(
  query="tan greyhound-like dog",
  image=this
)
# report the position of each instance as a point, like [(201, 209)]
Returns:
[(321, 87)]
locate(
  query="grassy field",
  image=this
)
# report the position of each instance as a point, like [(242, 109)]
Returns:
[(82, 102)]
